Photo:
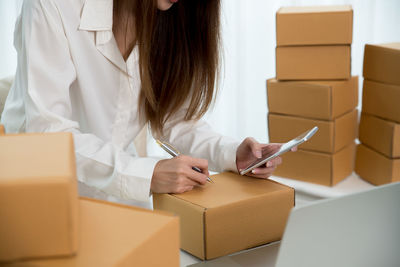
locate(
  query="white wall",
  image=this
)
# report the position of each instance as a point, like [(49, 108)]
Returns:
[(249, 37), (9, 10)]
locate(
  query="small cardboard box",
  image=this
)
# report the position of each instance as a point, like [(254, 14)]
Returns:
[(313, 62), (382, 63), (375, 167), (324, 100), (233, 213), (316, 167), (381, 135), (381, 100), (331, 136), (38, 196), (118, 235), (314, 25)]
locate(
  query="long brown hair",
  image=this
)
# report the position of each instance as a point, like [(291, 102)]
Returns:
[(178, 56)]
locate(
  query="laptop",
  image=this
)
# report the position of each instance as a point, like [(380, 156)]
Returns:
[(361, 229)]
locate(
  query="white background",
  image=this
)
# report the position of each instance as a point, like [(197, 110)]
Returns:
[(249, 53)]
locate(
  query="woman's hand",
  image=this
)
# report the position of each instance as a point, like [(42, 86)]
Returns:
[(250, 150), (177, 176)]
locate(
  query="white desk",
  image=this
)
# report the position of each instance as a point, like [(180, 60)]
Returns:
[(305, 193)]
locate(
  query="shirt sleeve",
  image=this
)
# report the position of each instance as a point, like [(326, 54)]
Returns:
[(198, 139), (46, 72)]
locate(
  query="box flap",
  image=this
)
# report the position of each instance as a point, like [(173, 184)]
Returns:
[(229, 188)]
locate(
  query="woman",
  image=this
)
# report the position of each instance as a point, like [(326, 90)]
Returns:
[(102, 69)]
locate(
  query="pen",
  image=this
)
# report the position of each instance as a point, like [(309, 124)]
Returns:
[(173, 152)]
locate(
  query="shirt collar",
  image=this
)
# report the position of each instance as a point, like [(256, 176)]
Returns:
[(97, 15)]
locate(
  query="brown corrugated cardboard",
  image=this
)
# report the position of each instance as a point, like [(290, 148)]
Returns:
[(314, 25), (375, 167), (324, 100), (316, 167), (381, 100), (38, 196), (382, 63), (2, 131), (117, 235), (381, 135), (313, 62), (331, 137), (233, 213)]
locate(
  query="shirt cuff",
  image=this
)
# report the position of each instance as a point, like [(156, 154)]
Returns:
[(228, 157), (137, 186)]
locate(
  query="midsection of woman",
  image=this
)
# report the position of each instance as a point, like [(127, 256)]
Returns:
[(72, 76)]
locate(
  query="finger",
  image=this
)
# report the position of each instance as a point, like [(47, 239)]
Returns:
[(294, 149), (256, 148), (197, 177), (273, 147), (274, 162), (260, 176), (202, 164), (187, 181), (269, 149), (263, 171)]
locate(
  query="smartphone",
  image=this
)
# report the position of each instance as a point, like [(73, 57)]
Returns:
[(284, 148)]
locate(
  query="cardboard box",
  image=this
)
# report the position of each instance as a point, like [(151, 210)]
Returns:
[(2, 131), (117, 235), (313, 62), (382, 63), (316, 167), (233, 213), (325, 100), (314, 25), (38, 196), (375, 167), (381, 135), (331, 136), (381, 100)]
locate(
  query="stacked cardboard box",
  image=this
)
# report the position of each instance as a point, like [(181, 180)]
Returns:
[(43, 223), (314, 87), (378, 155)]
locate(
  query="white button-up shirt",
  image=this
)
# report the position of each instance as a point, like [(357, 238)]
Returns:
[(72, 77)]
